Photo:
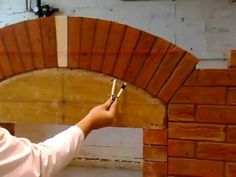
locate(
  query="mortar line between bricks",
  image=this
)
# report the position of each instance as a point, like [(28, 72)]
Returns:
[(131, 58), (18, 49), (144, 61), (157, 68), (93, 43), (171, 73), (7, 54), (118, 52), (182, 84), (42, 42), (30, 46), (105, 48)]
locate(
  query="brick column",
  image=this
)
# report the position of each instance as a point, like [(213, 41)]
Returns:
[(155, 153)]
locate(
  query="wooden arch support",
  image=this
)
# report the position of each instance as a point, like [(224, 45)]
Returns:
[(149, 63)]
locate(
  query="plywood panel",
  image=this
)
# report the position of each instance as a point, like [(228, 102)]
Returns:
[(65, 96), (83, 90), (100, 41), (113, 46), (48, 30), (87, 39), (36, 42), (74, 30), (23, 42), (9, 39)]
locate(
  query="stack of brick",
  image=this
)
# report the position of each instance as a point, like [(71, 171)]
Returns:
[(202, 125)]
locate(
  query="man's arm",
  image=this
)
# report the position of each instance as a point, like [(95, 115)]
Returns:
[(19, 157)]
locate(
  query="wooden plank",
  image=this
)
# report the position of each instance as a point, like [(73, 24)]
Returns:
[(87, 39), (152, 62), (62, 40), (74, 30), (232, 59), (23, 42), (126, 51), (9, 39), (167, 66), (178, 77), (100, 41), (5, 65), (140, 54), (48, 30), (114, 42), (36, 42), (9, 126)]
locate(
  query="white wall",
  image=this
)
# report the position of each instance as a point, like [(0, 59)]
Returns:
[(206, 28)]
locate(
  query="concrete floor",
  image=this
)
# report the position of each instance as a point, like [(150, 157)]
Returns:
[(73, 171)]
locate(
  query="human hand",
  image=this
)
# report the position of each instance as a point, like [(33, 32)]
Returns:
[(100, 116)]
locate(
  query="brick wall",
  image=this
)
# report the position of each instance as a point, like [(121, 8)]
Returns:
[(198, 140), (201, 128)]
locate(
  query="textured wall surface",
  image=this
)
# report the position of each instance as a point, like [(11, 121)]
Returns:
[(206, 28)]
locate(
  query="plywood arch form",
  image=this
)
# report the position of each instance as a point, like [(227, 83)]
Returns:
[(145, 61)]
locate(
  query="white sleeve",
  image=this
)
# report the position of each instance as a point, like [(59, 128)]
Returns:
[(19, 157)]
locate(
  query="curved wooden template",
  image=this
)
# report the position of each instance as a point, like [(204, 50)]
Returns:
[(64, 97)]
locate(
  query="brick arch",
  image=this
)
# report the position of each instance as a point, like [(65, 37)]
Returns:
[(142, 59)]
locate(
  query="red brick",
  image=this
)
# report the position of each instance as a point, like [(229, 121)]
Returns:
[(167, 66), (194, 131), (231, 134), (180, 148), (177, 78), (48, 30), (9, 126), (155, 153), (230, 169), (212, 77), (155, 137), (154, 169), (200, 95), (152, 62), (231, 98), (232, 60), (216, 114), (180, 112), (196, 168), (216, 151)]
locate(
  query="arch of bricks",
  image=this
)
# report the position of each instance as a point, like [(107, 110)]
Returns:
[(200, 137)]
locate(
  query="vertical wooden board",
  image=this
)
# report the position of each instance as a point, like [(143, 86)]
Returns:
[(1, 75), (48, 29), (113, 45), (127, 47), (62, 40), (152, 62), (36, 42), (74, 30), (100, 40), (87, 38), (9, 39), (140, 54), (167, 66), (5, 65), (181, 73), (23, 42)]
